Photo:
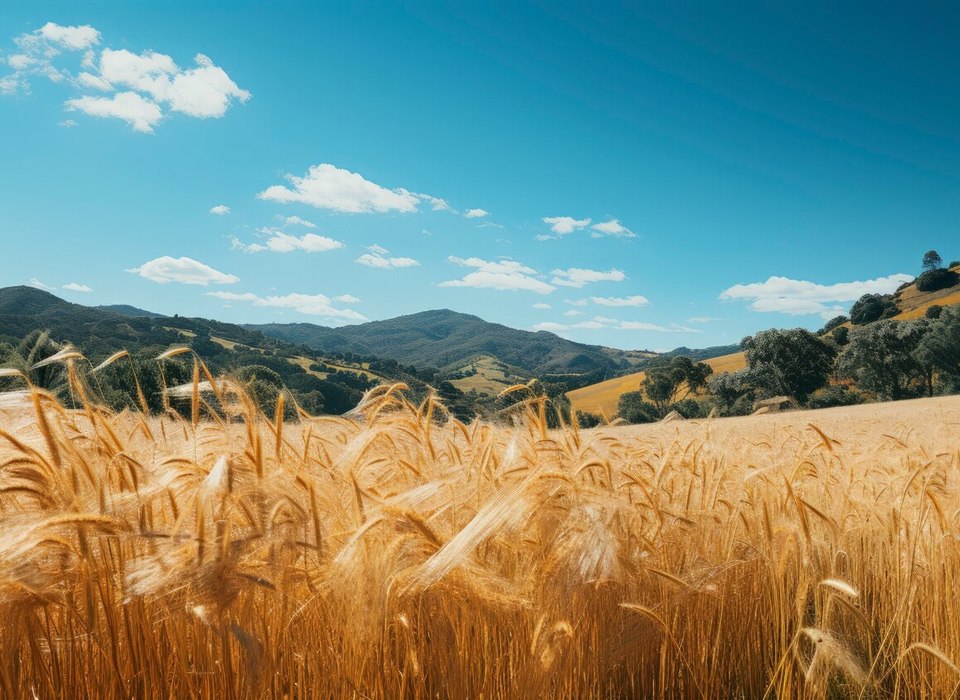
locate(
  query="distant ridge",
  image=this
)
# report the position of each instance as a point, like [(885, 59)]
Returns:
[(447, 339), (132, 311)]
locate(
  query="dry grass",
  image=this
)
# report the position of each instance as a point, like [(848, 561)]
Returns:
[(601, 398), (231, 555)]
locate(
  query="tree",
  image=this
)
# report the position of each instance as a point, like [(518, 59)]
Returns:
[(667, 384), (883, 358), (872, 307), (933, 312), (834, 322), (730, 387), (633, 409), (940, 347), (795, 360), (932, 260), (937, 279)]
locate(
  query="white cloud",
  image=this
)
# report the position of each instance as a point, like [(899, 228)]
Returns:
[(605, 322), (378, 257), (140, 113), (572, 312), (77, 287), (476, 213), (278, 241), (504, 274), (326, 186), (297, 221), (67, 124), (347, 299), (562, 225), (613, 227), (74, 38), (578, 277), (309, 304), (220, 210), (95, 82), (37, 284), (704, 319), (801, 298), (542, 305), (636, 300), (184, 270), (141, 86)]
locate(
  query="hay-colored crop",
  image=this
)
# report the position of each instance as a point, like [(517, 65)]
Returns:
[(398, 553)]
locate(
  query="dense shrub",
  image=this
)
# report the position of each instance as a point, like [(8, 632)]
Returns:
[(833, 323), (691, 408), (933, 311), (937, 279), (633, 409), (872, 307), (588, 420), (835, 396)]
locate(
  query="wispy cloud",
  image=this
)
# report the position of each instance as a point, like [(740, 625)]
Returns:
[(37, 284), (326, 186), (77, 287), (278, 241), (542, 305), (220, 210), (476, 213), (636, 300), (605, 322), (504, 274), (379, 257), (166, 269), (308, 304), (563, 225), (613, 227), (579, 277), (801, 298)]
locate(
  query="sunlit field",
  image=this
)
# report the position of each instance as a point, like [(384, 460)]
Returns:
[(221, 552)]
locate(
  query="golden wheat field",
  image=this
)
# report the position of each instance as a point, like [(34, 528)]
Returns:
[(395, 553)]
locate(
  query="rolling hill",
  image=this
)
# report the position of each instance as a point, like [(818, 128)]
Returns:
[(450, 340), (602, 398)]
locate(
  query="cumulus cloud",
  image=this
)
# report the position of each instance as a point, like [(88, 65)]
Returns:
[(166, 269), (378, 257), (801, 297), (562, 225), (278, 241), (636, 300), (77, 287), (504, 274), (476, 213), (347, 299), (220, 210), (139, 113), (326, 186), (308, 304), (613, 227), (141, 87), (578, 277)]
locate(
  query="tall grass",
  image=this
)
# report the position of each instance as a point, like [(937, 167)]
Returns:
[(220, 552)]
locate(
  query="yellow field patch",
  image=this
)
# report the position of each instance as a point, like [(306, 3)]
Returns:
[(601, 398)]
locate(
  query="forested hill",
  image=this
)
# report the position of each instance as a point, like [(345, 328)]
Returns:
[(447, 339)]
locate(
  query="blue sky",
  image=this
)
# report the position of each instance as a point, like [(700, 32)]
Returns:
[(639, 178)]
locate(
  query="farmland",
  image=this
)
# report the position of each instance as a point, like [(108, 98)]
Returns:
[(216, 551), (601, 398)]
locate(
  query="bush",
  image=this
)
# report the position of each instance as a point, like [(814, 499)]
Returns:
[(633, 409), (954, 263), (872, 307), (691, 408), (841, 336), (937, 279), (835, 396), (833, 323), (933, 311), (588, 420)]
